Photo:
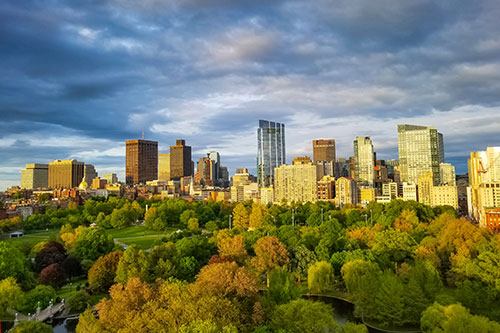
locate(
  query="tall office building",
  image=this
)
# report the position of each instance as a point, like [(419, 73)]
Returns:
[(206, 172), (181, 164), (89, 173), (421, 150), (323, 150), (141, 161), (110, 178), (447, 174), (163, 166), (364, 161), (65, 173), (215, 157), (271, 150), (35, 176)]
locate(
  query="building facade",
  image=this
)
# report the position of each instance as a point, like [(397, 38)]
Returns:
[(421, 150), (111, 178), (65, 173), (35, 176), (447, 174), (326, 188), (89, 173), (295, 183), (141, 161), (270, 150), (364, 162), (164, 166), (323, 150), (181, 164), (346, 192)]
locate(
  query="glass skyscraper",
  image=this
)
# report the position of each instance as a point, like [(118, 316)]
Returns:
[(271, 150)]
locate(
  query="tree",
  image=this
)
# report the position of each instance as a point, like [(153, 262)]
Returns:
[(93, 243), (186, 216), (227, 278), (455, 318), (70, 236), (133, 264), (102, 274), (52, 253), (389, 301), (40, 296), (52, 275), (233, 247), (351, 327), (72, 267), (123, 217), (241, 217), (282, 288), (31, 326), (88, 323), (256, 218), (11, 295), (270, 254), (193, 224), (12, 262), (79, 301), (319, 277), (302, 260), (304, 316)]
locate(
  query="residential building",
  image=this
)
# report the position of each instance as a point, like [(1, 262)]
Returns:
[(65, 173), (390, 190), (267, 195), (444, 195), (35, 176), (326, 188), (141, 161), (181, 164), (447, 174), (425, 184), (241, 177), (346, 191), (164, 166), (301, 160), (295, 183), (421, 150), (366, 195), (271, 150), (364, 162), (492, 218), (410, 192)]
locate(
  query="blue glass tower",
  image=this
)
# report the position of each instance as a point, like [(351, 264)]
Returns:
[(271, 150)]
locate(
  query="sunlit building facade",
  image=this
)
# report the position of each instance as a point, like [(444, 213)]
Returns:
[(270, 150), (364, 162)]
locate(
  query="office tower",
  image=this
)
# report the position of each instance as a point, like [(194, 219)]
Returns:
[(346, 192), (295, 183), (241, 177), (111, 178), (141, 161), (35, 176), (65, 173), (447, 174), (421, 150), (392, 169), (364, 161), (271, 150), (98, 183), (163, 166), (243, 187), (326, 188), (215, 157), (325, 168), (341, 168), (181, 164), (224, 176), (205, 173), (89, 173), (323, 150), (301, 160), (352, 167)]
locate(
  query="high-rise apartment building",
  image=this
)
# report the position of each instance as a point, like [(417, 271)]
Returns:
[(271, 150), (425, 183), (181, 164), (447, 174), (421, 150), (326, 188), (364, 162), (141, 163), (323, 150), (346, 192), (163, 166), (65, 173), (35, 176), (295, 183)]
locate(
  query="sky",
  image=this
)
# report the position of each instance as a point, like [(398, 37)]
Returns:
[(78, 78)]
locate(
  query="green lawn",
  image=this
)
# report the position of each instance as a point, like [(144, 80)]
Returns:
[(26, 242), (139, 236)]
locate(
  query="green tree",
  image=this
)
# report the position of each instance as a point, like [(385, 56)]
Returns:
[(302, 260), (12, 262), (93, 243), (79, 301), (270, 254), (102, 274), (389, 301), (186, 216), (88, 323), (193, 224), (455, 319), (31, 326), (124, 217), (40, 296), (351, 327), (11, 295), (282, 288), (319, 277), (304, 316), (133, 263)]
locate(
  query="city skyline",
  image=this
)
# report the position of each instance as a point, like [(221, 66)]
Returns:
[(84, 78)]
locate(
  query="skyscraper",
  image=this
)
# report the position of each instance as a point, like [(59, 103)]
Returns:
[(66, 173), (215, 157), (271, 150), (141, 161), (35, 176), (364, 161), (163, 166), (323, 150), (89, 173), (180, 160), (421, 150)]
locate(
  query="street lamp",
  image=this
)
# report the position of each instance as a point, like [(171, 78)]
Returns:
[(230, 216)]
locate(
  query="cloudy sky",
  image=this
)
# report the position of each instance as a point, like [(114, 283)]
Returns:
[(78, 78)]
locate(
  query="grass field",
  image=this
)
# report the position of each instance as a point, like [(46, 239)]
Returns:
[(26, 242), (139, 236)]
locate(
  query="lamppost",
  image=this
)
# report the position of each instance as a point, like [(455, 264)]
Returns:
[(230, 216), (293, 217)]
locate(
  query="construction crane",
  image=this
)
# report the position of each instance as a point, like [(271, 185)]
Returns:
[(481, 166)]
